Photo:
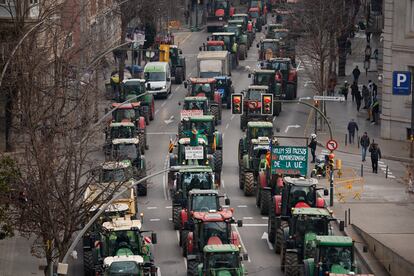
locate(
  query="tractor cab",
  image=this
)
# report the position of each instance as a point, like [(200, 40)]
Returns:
[(257, 153), (203, 201), (196, 103), (203, 124), (213, 45), (268, 77), (271, 30), (177, 63), (131, 88), (286, 76), (259, 129), (182, 158), (269, 48), (201, 87), (131, 112), (225, 88), (229, 39), (222, 259), (123, 130), (237, 22), (252, 105), (127, 265)]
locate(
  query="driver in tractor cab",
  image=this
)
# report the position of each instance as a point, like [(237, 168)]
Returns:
[(194, 106), (122, 238), (195, 182), (203, 202)]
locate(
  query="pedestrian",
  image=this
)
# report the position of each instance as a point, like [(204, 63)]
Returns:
[(354, 90), (367, 64), (368, 52), (365, 96), (356, 72), (374, 89), (349, 46), (312, 145), (369, 108), (358, 99), (352, 127), (368, 34), (344, 90), (375, 110), (375, 151), (364, 142)]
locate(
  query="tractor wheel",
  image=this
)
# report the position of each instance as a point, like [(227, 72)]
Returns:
[(290, 91), (242, 52), (176, 217), (180, 128), (88, 265), (184, 245), (279, 237), (179, 75), (265, 201), (271, 230), (192, 268), (183, 235), (243, 122), (240, 151), (248, 184), (142, 142), (291, 264), (218, 160), (241, 177), (215, 113), (228, 103)]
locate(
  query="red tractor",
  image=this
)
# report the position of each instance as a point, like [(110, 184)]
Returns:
[(213, 45), (207, 228)]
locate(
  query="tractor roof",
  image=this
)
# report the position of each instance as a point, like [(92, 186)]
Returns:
[(281, 30), (202, 80), (258, 124), (270, 40), (224, 33), (196, 169), (133, 81), (195, 98), (283, 11), (261, 141), (117, 259), (203, 192), (275, 25), (122, 224), (255, 9), (264, 71), (186, 141), (300, 181), (220, 248), (215, 43), (112, 165), (215, 216), (240, 15), (334, 241), (311, 212), (126, 105), (201, 118), (134, 141), (122, 124), (258, 87)]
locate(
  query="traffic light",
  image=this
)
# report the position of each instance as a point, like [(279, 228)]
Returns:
[(267, 104), (331, 161), (237, 104)]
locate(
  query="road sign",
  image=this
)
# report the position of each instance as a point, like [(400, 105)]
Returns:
[(289, 160), (191, 113), (329, 98), (192, 153), (401, 83), (332, 145)]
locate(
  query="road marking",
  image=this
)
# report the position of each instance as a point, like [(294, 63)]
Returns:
[(265, 217), (176, 89), (189, 75), (227, 126), (157, 219), (164, 180), (162, 105), (380, 162), (391, 176), (290, 126), (241, 241), (152, 207), (161, 133), (382, 165), (241, 206), (265, 236), (168, 207), (232, 117), (185, 263), (222, 135), (255, 225), (170, 219), (178, 234), (246, 218), (182, 42), (170, 120), (156, 111)]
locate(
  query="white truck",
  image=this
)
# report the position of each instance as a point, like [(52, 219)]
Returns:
[(212, 64)]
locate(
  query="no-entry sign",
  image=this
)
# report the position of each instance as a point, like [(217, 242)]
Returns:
[(332, 145)]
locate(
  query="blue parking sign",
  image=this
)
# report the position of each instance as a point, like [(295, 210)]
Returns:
[(401, 83)]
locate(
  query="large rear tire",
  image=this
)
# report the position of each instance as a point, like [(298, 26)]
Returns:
[(218, 161), (88, 265), (179, 75), (265, 200), (142, 189), (142, 142), (248, 184), (152, 110), (271, 230), (279, 237), (192, 268), (291, 264), (242, 52), (176, 217), (215, 112), (243, 122), (241, 177)]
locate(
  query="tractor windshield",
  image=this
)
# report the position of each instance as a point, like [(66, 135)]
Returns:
[(124, 115), (126, 268), (336, 256), (201, 88), (125, 151), (270, 45), (254, 14), (115, 175), (255, 95), (280, 35), (155, 76), (227, 260), (216, 229), (125, 239), (133, 88), (260, 132), (225, 38), (122, 132), (302, 194), (193, 180), (282, 66), (216, 48), (263, 79), (306, 224), (195, 105), (204, 203), (202, 127), (220, 5)]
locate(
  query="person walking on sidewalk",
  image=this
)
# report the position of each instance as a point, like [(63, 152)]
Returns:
[(312, 145), (365, 96), (352, 127), (358, 99), (375, 151), (375, 110), (349, 46), (364, 142), (354, 90), (344, 90), (356, 72), (374, 89), (368, 52)]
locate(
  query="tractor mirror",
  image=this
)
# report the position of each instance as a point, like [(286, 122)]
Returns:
[(181, 52), (239, 223), (154, 238), (185, 84), (325, 192), (341, 225), (227, 201), (148, 86), (245, 257)]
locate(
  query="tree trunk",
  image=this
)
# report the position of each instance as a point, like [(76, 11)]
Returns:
[(342, 55)]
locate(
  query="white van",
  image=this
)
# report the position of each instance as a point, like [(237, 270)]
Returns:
[(158, 78)]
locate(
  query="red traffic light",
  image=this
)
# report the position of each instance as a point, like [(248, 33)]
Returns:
[(236, 100), (331, 156), (267, 100)]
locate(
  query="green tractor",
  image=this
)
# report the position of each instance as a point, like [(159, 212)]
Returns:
[(125, 130), (253, 131), (131, 88), (299, 237), (230, 42), (247, 26), (196, 103), (334, 256), (296, 193), (222, 259), (119, 237), (252, 162), (241, 38), (177, 62), (267, 77)]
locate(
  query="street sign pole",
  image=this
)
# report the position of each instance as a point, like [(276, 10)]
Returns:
[(331, 188)]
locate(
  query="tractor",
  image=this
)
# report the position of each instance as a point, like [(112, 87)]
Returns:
[(258, 20), (247, 26), (195, 103), (299, 237), (270, 30), (130, 113), (223, 259), (268, 78), (128, 264), (286, 76), (207, 228), (230, 42), (177, 64), (213, 45), (125, 130), (185, 180), (296, 193), (253, 131), (270, 48), (225, 88), (206, 88), (252, 104), (241, 40), (252, 162), (119, 237), (218, 13), (131, 88), (334, 256)]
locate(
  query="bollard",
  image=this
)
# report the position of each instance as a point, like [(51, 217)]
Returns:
[(346, 218), (349, 216), (386, 172), (346, 139), (362, 170)]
